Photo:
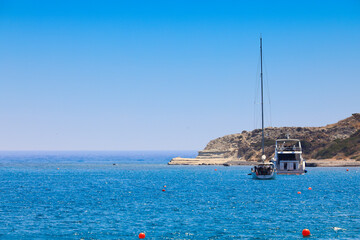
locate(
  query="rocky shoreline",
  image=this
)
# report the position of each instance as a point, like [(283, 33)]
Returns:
[(237, 162), (334, 145)]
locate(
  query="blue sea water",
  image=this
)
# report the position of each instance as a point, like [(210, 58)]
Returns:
[(82, 195)]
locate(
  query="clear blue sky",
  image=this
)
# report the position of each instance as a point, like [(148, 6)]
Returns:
[(170, 75)]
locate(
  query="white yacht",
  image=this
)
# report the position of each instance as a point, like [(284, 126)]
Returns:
[(265, 170), (288, 157)]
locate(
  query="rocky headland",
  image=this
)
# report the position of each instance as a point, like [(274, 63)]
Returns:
[(335, 144)]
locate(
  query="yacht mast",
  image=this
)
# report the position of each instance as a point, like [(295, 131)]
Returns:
[(262, 99)]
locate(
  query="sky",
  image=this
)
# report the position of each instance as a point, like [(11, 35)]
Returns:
[(171, 75)]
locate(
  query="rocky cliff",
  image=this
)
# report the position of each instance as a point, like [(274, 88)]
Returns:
[(335, 141)]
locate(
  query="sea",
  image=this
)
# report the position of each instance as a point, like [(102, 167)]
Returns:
[(118, 195)]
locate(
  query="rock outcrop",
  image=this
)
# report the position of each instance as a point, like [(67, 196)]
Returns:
[(335, 141)]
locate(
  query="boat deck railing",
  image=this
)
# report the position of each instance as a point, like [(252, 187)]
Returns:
[(279, 148)]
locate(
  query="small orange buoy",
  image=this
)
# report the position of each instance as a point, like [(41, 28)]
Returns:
[(310, 188), (299, 192), (306, 232), (164, 185), (347, 170), (142, 235), (163, 190), (215, 169)]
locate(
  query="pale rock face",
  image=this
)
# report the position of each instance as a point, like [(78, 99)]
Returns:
[(247, 145)]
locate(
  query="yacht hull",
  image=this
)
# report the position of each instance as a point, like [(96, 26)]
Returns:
[(263, 177)]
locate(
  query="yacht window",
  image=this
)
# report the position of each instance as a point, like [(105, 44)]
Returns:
[(286, 156)]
